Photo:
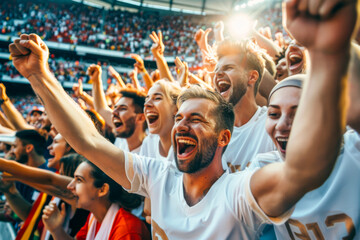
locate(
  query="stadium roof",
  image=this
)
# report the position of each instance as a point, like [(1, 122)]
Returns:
[(183, 6)]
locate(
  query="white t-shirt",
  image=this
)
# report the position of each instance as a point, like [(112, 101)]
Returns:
[(331, 211), (151, 148), (227, 211), (247, 141), (123, 145)]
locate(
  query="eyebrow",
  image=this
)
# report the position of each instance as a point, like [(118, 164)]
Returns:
[(78, 176), (277, 106)]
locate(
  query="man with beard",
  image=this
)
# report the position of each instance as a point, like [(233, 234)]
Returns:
[(238, 74), (206, 202), (127, 118), (29, 147)]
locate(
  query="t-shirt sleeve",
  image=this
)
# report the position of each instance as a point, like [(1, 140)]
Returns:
[(142, 172)]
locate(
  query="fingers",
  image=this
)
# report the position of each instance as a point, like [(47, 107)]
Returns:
[(20, 48), (63, 209), (160, 36), (314, 6)]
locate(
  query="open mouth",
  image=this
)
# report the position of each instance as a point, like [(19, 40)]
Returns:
[(185, 146), (223, 86), (282, 143), (296, 61), (118, 123), (152, 117)]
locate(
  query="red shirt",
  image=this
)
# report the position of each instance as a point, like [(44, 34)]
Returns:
[(125, 227)]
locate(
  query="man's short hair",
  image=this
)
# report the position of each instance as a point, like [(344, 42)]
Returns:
[(223, 111), (32, 137), (248, 52), (137, 97)]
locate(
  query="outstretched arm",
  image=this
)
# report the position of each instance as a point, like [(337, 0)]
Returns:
[(142, 70), (316, 134), (30, 57)]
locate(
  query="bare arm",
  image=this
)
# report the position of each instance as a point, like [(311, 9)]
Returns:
[(17, 203), (271, 48), (13, 115), (142, 70), (320, 120), (30, 57), (4, 122), (99, 95)]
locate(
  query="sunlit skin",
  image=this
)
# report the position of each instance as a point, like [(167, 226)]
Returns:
[(57, 149), (295, 58), (281, 112), (159, 112), (19, 151)]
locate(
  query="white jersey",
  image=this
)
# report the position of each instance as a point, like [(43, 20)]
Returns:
[(151, 148), (247, 141), (227, 211), (331, 211), (123, 145)]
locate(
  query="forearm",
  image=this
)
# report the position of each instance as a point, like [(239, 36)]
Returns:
[(88, 100), (6, 130), (147, 79), (271, 48), (15, 117), (266, 85), (136, 83), (60, 234), (195, 80), (321, 115), (6, 123), (18, 204), (164, 69), (77, 128), (100, 103)]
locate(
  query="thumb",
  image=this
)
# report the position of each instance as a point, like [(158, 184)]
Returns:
[(30, 44), (63, 209)]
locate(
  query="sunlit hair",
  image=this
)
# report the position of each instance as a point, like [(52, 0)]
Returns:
[(223, 111), (171, 89), (249, 53), (70, 162)]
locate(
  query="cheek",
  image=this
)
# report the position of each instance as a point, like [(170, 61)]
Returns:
[(270, 126)]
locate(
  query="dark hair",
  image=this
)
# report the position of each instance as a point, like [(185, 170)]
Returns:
[(97, 120), (248, 51), (32, 137), (138, 100), (116, 193), (71, 162), (223, 112)]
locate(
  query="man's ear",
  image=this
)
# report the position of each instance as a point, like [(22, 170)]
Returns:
[(224, 137), (140, 117), (29, 148), (253, 77), (104, 190)]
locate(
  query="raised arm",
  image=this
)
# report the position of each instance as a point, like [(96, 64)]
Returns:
[(157, 50), (142, 70), (68, 118), (78, 90), (316, 134), (13, 115), (4, 122), (100, 104)]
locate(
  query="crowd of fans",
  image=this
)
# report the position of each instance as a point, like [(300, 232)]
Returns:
[(250, 142)]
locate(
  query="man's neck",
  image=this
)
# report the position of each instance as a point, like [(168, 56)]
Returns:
[(244, 110), (135, 140), (196, 185), (35, 160)]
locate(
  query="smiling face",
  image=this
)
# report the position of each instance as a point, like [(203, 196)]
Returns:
[(281, 112), (295, 58), (124, 118), (281, 70), (82, 186), (159, 111), (194, 137), (231, 78), (57, 149)]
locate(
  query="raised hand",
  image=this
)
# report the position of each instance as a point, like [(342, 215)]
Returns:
[(117, 76), (182, 71), (139, 62), (330, 22), (94, 71), (158, 47), (29, 55), (209, 59), (201, 38), (52, 217), (78, 89), (3, 94), (219, 31)]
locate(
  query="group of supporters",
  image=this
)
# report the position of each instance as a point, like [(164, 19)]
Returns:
[(262, 143)]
